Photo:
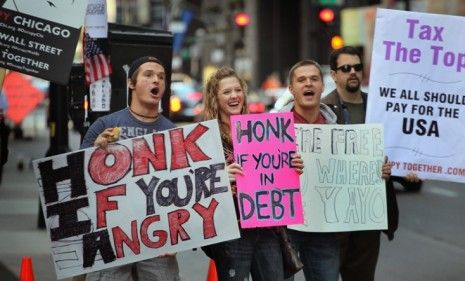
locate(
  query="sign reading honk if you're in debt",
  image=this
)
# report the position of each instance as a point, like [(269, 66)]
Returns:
[(269, 192), (342, 188)]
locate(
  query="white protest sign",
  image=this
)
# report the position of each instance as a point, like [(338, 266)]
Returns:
[(96, 19), (416, 89), (100, 95), (342, 188), (143, 197)]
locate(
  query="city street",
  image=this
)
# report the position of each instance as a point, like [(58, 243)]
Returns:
[(392, 69), (429, 244)]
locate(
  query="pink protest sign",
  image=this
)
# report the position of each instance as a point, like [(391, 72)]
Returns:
[(269, 192)]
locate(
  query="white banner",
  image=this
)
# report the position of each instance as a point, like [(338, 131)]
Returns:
[(342, 188), (141, 198), (417, 89), (70, 13), (96, 22), (100, 95)]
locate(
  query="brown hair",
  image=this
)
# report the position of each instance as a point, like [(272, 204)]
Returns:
[(303, 63), (211, 110), (348, 50)]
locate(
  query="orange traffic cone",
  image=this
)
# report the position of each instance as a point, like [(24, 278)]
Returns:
[(212, 275), (27, 273)]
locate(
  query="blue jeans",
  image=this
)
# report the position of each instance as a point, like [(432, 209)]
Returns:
[(320, 254), (257, 253)]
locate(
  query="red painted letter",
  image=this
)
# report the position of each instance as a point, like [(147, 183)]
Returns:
[(103, 173), (103, 204), (207, 215), (119, 237), (181, 147), (175, 220), (144, 236), (142, 155)]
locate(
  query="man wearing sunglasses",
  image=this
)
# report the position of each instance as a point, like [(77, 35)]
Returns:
[(359, 249)]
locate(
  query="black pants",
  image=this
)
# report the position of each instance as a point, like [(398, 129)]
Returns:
[(359, 255)]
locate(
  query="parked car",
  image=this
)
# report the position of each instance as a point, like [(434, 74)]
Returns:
[(185, 101), (255, 103), (256, 107)]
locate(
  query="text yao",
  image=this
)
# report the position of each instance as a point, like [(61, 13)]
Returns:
[(365, 204)]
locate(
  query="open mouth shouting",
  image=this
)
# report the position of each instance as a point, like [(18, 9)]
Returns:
[(154, 91), (309, 93)]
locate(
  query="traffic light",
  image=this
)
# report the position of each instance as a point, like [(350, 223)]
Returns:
[(326, 15), (242, 19), (325, 29), (337, 42)]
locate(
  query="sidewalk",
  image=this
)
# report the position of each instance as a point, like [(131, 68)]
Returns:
[(19, 207)]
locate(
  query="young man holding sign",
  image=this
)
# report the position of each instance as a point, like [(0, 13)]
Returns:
[(146, 81), (319, 252)]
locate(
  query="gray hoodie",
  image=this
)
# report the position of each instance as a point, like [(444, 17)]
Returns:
[(325, 110)]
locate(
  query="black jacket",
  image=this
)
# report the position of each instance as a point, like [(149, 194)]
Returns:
[(335, 103)]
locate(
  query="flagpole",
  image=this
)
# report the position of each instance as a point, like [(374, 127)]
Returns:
[(126, 70)]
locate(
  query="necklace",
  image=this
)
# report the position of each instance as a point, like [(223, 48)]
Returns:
[(144, 116)]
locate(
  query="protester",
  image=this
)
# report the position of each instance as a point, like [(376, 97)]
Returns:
[(319, 252), (359, 249), (147, 78), (257, 251)]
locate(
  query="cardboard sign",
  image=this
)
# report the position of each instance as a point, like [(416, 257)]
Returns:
[(143, 197), (342, 188), (417, 90), (39, 38), (269, 193)]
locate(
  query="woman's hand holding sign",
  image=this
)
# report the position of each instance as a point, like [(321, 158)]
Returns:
[(298, 163)]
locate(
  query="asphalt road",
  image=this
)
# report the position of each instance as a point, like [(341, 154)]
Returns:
[(430, 242)]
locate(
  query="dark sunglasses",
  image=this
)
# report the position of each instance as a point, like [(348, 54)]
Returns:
[(347, 67)]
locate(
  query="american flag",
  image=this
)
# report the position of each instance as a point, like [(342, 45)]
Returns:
[(96, 63)]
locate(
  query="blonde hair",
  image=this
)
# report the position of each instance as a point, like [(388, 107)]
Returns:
[(211, 109)]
